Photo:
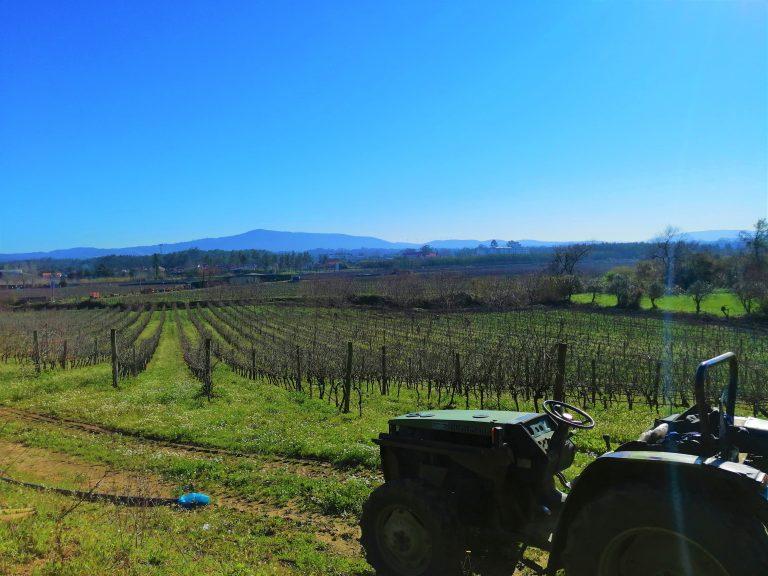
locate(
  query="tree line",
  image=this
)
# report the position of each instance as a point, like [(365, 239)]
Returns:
[(186, 261), (672, 266)]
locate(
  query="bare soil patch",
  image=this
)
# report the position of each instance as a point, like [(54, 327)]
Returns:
[(55, 469)]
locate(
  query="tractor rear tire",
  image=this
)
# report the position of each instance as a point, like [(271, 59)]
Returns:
[(409, 529), (641, 530)]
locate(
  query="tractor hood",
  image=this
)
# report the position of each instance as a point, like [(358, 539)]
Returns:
[(464, 421)]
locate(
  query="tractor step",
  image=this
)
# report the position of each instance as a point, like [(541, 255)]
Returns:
[(531, 565)]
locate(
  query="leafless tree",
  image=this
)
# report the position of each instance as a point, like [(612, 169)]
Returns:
[(666, 248), (566, 258), (699, 290), (595, 286), (650, 276), (757, 241), (748, 292), (654, 290)]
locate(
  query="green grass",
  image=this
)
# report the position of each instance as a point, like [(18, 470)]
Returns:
[(336, 494), (105, 539), (678, 303), (155, 320)]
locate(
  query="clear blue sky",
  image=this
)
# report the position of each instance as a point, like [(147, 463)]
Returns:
[(127, 123)]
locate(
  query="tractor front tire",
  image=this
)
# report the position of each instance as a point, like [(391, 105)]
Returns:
[(637, 530), (409, 529)]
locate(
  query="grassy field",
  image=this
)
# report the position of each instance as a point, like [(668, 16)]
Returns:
[(677, 303), (286, 503), (267, 510), (104, 539)]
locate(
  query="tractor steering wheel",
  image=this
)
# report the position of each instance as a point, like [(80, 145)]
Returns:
[(557, 411)]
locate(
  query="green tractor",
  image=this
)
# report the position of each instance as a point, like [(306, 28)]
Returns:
[(688, 498)]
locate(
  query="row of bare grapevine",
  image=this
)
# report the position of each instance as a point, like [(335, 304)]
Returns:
[(133, 359), (462, 359)]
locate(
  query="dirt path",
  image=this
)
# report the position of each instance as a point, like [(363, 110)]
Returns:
[(52, 468), (56, 469), (304, 467)]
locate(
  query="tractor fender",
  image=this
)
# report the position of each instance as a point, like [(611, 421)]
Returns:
[(738, 485)]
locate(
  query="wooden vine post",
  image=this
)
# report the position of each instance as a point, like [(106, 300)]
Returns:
[(208, 379), (36, 352), (298, 369), (113, 348), (384, 382), (457, 384), (656, 384), (559, 393), (347, 380)]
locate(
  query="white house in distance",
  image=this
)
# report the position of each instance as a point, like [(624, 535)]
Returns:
[(510, 247)]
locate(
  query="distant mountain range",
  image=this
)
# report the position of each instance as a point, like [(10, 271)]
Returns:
[(277, 241), (712, 236)]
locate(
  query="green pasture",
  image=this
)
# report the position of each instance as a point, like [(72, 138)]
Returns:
[(712, 304)]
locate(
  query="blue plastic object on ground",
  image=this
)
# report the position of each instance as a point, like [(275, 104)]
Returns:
[(194, 500)]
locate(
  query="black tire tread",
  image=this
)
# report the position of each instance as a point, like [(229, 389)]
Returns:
[(445, 563), (744, 544)]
